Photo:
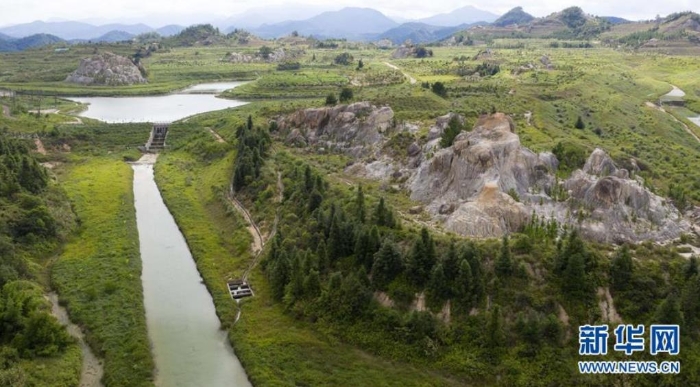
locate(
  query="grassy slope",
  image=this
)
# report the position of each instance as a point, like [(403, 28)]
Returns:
[(274, 348), (63, 371), (99, 273)]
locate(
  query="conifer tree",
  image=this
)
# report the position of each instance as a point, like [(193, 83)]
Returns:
[(421, 259), (388, 264), (621, 269), (360, 204), (669, 312), (504, 264), (464, 284)]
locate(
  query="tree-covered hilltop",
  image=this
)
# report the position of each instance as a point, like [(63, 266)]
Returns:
[(514, 16), (33, 217)]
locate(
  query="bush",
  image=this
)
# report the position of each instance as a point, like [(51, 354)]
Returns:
[(288, 66), (440, 89), (344, 59), (331, 100), (345, 94)]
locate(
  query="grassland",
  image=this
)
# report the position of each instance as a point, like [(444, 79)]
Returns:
[(98, 275)]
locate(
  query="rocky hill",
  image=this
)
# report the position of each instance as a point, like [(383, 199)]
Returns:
[(487, 184), (107, 69)]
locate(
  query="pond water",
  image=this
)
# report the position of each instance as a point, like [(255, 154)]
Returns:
[(188, 346), (197, 99)]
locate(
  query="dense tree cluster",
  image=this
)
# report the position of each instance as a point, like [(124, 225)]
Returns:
[(252, 149), (27, 328)]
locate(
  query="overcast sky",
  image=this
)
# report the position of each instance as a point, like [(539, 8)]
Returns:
[(22, 11)]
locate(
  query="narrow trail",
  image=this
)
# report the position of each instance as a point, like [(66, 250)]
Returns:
[(40, 146), (661, 109), (91, 373), (6, 111), (257, 244), (216, 135), (255, 232), (410, 78)]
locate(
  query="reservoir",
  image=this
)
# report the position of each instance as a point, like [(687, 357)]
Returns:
[(187, 344), (197, 99)]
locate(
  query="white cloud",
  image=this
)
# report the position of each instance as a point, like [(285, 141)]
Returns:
[(21, 11)]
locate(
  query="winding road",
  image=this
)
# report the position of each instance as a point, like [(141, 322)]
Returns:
[(410, 78)]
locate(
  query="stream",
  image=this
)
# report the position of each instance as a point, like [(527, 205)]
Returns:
[(188, 345)]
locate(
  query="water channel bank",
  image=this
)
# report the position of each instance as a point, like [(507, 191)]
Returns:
[(187, 344)]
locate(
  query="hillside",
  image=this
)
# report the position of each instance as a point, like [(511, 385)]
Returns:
[(514, 16), (418, 33), (677, 33), (114, 36), (32, 41)]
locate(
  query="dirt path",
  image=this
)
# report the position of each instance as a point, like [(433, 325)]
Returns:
[(258, 240), (676, 92), (92, 371), (40, 146), (257, 244), (6, 111), (410, 78), (687, 129), (216, 135)]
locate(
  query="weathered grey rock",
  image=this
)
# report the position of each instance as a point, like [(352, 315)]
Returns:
[(415, 210), (441, 123), (107, 69), (599, 164), (483, 165), (491, 214), (413, 149), (355, 129)]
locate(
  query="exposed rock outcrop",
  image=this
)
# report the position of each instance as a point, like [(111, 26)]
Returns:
[(354, 129), (278, 55), (494, 185), (107, 69), (476, 172)]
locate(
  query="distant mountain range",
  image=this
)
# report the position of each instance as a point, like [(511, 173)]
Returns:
[(349, 23), (70, 30), (352, 23), (464, 15)]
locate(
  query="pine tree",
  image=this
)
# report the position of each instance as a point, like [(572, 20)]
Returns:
[(360, 204), (575, 281), (464, 284), (621, 269), (308, 179), (495, 334), (504, 264), (279, 275), (579, 123), (690, 302), (364, 250), (438, 289), (669, 312), (471, 255), (322, 254), (335, 241), (312, 285), (388, 264), (379, 216), (250, 122), (692, 268), (421, 259), (315, 200)]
